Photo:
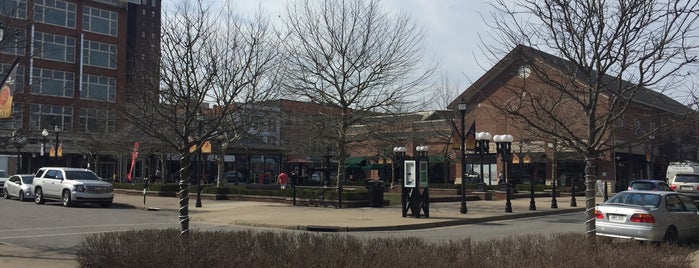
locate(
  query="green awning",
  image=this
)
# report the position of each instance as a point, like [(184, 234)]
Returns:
[(435, 159), (373, 166), (355, 162)]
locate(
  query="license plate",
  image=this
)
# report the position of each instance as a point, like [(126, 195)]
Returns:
[(686, 188), (617, 218)]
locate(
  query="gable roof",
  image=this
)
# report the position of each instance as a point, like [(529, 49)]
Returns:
[(523, 53)]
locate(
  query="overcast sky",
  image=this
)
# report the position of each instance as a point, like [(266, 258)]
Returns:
[(452, 28)]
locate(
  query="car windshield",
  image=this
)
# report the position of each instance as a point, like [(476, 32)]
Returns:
[(3, 174), (648, 185), (27, 179), (687, 178), (639, 199), (81, 176)]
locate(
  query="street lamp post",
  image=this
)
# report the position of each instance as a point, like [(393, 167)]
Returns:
[(18, 141), (329, 153), (462, 111), (399, 153), (199, 177), (650, 173), (44, 134), (573, 202), (482, 143), (532, 203), (423, 196), (56, 129), (504, 146)]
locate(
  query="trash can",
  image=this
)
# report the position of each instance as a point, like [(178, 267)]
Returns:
[(375, 188)]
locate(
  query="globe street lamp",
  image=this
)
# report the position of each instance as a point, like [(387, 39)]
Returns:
[(482, 143), (399, 153), (503, 145), (423, 198), (44, 134), (462, 111)]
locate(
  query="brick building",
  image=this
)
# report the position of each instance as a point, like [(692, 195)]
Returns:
[(635, 153), (73, 66)]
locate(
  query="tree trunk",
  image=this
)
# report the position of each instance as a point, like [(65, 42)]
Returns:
[(184, 194), (220, 164), (590, 179)]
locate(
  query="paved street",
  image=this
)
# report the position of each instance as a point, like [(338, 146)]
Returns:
[(226, 214)]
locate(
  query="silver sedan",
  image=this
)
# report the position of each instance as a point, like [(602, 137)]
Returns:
[(19, 186), (649, 216)]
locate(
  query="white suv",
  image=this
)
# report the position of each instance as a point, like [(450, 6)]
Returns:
[(71, 185)]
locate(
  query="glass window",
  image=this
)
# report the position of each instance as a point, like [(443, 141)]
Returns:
[(54, 47), (19, 76), (47, 116), (100, 21), (687, 178), (13, 42), (688, 203), (97, 121), (98, 88), (673, 203), (53, 82), (99, 54), (55, 12), (109, 2), (14, 8)]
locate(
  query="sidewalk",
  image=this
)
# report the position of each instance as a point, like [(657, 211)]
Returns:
[(286, 216)]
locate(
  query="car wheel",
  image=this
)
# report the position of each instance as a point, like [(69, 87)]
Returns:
[(105, 204), (670, 236), (66, 199), (39, 196), (21, 196), (5, 194)]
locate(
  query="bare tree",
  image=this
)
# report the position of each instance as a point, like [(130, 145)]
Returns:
[(208, 56), (353, 56), (446, 91), (607, 54)]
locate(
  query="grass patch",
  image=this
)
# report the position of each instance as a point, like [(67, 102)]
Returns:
[(167, 248)]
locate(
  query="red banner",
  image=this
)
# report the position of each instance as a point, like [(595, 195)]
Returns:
[(134, 155)]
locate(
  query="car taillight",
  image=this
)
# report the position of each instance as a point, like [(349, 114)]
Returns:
[(598, 214), (645, 218), (673, 187)]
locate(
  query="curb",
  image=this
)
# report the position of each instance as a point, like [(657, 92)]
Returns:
[(417, 226)]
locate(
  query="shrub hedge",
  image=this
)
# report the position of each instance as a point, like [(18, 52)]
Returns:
[(168, 248)]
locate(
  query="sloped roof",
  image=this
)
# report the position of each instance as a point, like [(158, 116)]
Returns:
[(523, 53)]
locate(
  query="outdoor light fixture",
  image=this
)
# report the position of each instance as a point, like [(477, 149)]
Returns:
[(504, 146), (462, 110), (44, 134), (482, 143), (422, 201), (399, 153)]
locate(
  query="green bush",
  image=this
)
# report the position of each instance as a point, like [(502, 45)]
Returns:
[(168, 248)]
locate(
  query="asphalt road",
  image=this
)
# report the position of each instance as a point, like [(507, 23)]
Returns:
[(562, 223), (53, 230)]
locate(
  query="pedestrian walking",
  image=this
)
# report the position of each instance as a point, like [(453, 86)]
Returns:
[(283, 180)]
